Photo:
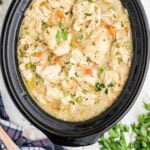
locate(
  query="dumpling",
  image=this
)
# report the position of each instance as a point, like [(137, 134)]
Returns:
[(98, 45), (58, 49)]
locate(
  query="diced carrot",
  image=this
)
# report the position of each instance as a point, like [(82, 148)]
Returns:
[(57, 62), (73, 41), (39, 54), (110, 101), (54, 106), (112, 30), (103, 24), (88, 71), (37, 90), (60, 14), (82, 24), (52, 19), (126, 29)]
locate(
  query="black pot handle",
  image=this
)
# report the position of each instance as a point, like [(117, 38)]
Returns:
[(74, 142)]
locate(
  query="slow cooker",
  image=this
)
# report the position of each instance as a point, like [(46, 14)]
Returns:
[(61, 132)]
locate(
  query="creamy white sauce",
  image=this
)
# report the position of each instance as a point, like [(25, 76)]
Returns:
[(75, 56)]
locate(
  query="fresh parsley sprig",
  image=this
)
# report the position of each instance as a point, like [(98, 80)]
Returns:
[(115, 139), (62, 34), (1, 2)]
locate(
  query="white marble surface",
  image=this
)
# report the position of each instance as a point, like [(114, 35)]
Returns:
[(33, 133)]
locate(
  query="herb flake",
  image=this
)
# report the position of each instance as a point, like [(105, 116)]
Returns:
[(61, 34), (88, 14)]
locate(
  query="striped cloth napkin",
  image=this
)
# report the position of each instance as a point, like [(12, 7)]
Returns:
[(15, 133)]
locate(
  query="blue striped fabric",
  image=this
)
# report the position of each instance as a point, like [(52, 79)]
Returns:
[(15, 133)]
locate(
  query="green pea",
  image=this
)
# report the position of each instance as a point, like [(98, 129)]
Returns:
[(79, 99)]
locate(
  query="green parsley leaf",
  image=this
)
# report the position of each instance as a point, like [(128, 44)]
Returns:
[(106, 91), (66, 13), (76, 74), (47, 32), (118, 45), (99, 86), (81, 36), (91, 1), (1, 2), (64, 36), (37, 76), (147, 106), (44, 23), (67, 62), (110, 85), (73, 95), (88, 14), (61, 35)]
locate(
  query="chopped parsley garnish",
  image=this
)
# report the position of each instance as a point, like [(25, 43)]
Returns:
[(71, 45), (88, 14), (110, 85), (66, 13), (106, 91), (81, 36), (37, 76), (62, 34), (65, 35), (50, 58), (67, 62), (85, 91), (44, 23), (73, 95), (76, 74), (100, 86), (59, 36), (72, 102), (37, 83), (117, 45), (47, 32), (91, 1)]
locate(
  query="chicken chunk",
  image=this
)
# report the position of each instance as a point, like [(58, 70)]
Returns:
[(60, 3), (63, 48), (97, 46), (50, 73), (53, 93), (85, 13), (78, 57)]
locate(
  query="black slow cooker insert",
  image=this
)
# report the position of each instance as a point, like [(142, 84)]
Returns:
[(66, 133)]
